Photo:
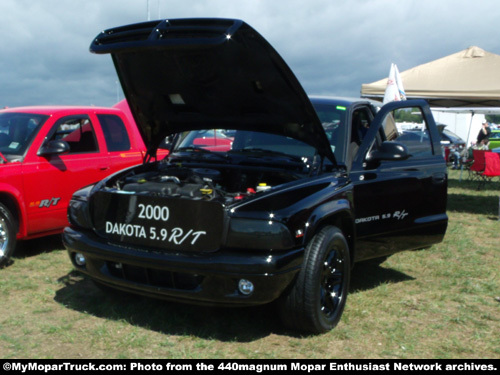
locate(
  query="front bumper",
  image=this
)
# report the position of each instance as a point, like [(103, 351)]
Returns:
[(197, 278)]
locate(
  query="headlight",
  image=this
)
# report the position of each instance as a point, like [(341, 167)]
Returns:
[(78, 209), (258, 234)]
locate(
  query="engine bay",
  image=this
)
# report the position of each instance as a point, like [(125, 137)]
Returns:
[(226, 184)]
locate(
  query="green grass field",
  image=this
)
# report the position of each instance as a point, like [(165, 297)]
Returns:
[(443, 302)]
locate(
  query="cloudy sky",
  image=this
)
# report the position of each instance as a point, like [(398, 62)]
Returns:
[(333, 46)]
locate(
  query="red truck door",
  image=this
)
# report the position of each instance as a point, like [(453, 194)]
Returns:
[(50, 180)]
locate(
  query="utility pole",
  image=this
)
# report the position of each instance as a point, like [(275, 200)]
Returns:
[(148, 9)]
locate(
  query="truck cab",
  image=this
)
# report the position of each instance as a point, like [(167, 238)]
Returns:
[(47, 153)]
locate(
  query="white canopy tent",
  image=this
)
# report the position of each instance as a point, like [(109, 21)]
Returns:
[(469, 78), (461, 87)]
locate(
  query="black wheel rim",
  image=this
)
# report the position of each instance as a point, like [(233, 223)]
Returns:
[(332, 283)]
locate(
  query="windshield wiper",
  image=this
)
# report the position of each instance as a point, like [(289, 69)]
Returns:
[(312, 164), (200, 150), (266, 152)]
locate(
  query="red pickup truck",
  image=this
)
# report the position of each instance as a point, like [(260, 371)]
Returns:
[(47, 153)]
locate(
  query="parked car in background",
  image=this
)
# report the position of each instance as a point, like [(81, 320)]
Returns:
[(209, 139), (450, 143), (417, 141), (46, 154), (494, 139)]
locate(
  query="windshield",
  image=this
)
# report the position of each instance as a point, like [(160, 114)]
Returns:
[(452, 136), (17, 130), (227, 141), (333, 118), (495, 135)]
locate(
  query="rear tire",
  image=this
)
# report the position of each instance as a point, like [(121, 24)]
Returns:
[(8, 235), (316, 300)]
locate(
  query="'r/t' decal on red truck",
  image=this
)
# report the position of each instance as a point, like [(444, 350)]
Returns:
[(45, 202)]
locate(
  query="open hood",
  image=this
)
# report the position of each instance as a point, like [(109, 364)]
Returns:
[(190, 74)]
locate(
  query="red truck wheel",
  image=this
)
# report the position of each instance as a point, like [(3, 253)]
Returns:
[(7, 235)]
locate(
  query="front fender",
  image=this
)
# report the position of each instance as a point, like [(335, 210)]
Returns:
[(13, 198), (339, 212), (304, 208)]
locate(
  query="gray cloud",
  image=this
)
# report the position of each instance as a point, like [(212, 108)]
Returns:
[(332, 46)]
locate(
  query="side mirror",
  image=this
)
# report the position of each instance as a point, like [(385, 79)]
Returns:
[(54, 148), (165, 144), (391, 151)]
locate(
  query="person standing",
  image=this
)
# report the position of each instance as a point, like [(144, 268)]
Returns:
[(484, 134)]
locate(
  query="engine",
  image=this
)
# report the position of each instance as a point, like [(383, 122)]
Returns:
[(226, 184)]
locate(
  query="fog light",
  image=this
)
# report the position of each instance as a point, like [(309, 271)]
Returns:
[(245, 287), (80, 260)]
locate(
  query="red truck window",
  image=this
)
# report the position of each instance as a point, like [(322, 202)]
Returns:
[(115, 133), (78, 133)]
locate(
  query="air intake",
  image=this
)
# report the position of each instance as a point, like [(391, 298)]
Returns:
[(165, 32)]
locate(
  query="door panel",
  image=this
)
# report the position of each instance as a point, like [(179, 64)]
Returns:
[(51, 180), (399, 204)]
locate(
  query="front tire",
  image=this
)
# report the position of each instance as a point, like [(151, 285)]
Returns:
[(7, 235), (316, 300)]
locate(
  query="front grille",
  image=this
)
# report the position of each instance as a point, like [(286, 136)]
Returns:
[(155, 277), (187, 225)]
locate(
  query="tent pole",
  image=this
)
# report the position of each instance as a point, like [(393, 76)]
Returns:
[(466, 145)]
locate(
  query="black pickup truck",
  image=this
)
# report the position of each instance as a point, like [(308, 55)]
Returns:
[(267, 194)]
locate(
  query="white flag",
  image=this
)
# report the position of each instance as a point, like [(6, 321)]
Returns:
[(399, 83), (394, 90)]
